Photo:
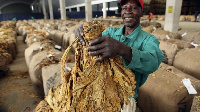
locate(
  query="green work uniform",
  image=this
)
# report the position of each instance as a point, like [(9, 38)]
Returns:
[(146, 55)]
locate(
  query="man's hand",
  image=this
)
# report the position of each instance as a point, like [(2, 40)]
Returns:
[(107, 47), (79, 34)]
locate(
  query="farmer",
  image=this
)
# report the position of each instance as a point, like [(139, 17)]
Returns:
[(139, 50), (150, 16)]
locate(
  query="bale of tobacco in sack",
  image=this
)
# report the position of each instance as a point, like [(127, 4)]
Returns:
[(166, 92)]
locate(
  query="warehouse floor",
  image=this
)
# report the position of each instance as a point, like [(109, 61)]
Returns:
[(17, 93)]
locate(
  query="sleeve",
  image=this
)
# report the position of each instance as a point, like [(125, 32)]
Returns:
[(146, 60), (108, 32)]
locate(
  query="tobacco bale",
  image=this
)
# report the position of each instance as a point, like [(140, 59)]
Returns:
[(148, 29), (182, 18), (51, 76), (66, 38), (166, 93), (175, 35), (3, 62), (170, 50), (181, 43), (187, 60), (193, 36), (29, 52), (52, 33), (58, 37)]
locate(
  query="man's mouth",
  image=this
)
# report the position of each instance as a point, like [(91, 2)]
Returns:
[(128, 18)]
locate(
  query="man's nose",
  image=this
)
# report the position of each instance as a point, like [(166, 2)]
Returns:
[(129, 9)]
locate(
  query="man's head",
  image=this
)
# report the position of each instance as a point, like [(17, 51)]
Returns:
[(131, 12), (140, 3)]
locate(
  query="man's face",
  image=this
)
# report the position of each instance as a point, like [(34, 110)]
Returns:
[(131, 13)]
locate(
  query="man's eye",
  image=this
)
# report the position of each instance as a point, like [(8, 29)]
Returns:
[(134, 7), (124, 8)]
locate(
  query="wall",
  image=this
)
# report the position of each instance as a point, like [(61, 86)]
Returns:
[(16, 8)]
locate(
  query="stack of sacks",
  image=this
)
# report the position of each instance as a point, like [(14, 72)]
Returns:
[(171, 43), (165, 92), (8, 45), (190, 36), (187, 60), (40, 59)]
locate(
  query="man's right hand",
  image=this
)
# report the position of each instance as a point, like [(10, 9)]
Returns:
[(79, 34)]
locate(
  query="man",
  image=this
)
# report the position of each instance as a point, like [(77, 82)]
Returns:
[(195, 15), (150, 16), (139, 50)]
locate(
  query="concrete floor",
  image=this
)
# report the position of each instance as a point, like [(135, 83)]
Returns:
[(17, 93)]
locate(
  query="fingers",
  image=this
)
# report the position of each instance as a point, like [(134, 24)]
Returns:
[(101, 58), (96, 47), (97, 52), (79, 34), (98, 40)]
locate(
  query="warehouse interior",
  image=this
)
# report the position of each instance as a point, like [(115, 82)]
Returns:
[(38, 52)]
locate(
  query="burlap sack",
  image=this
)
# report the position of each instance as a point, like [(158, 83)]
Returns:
[(58, 37), (192, 37), (188, 61), (12, 49), (181, 43), (51, 75), (148, 29), (170, 50), (35, 71), (66, 39), (29, 52), (182, 18), (3, 63), (164, 92), (51, 34), (174, 36), (32, 38), (160, 31), (35, 68)]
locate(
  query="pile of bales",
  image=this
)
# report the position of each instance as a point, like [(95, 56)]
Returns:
[(46, 41), (188, 18), (164, 90), (8, 45)]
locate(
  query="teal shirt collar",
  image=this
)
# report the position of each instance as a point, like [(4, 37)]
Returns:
[(132, 35)]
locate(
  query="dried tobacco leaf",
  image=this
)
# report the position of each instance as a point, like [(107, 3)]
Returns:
[(92, 86)]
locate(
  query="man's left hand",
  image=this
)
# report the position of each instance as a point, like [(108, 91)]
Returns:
[(106, 47)]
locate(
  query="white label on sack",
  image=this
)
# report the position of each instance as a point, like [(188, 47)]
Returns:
[(184, 34), (50, 55), (111, 25), (57, 47), (189, 86), (35, 39), (192, 43), (167, 36), (154, 29), (2, 32), (48, 31), (41, 47), (68, 68), (1, 37)]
